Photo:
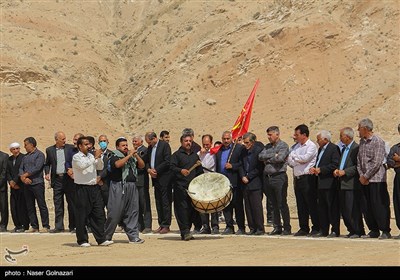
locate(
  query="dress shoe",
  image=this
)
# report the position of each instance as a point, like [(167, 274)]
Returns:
[(313, 232), (259, 232), (333, 234), (158, 230), (164, 230), (205, 230), (3, 229), (301, 233), (385, 235), (354, 236), (55, 230), (275, 232), (147, 230), (319, 234), (371, 234), (240, 231), (215, 230), (187, 237), (228, 231), (196, 231), (286, 232)]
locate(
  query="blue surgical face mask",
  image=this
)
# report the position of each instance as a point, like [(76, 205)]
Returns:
[(103, 145)]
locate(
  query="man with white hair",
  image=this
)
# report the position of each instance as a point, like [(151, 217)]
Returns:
[(19, 211), (372, 173), (3, 192), (328, 195)]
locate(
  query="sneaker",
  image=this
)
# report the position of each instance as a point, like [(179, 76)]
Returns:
[(188, 237), (137, 240), (106, 243), (84, 244), (385, 235), (215, 230)]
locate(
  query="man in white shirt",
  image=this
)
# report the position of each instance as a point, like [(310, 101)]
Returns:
[(208, 163), (89, 202), (302, 157)]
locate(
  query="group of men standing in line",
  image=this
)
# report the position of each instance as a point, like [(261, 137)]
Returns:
[(329, 182)]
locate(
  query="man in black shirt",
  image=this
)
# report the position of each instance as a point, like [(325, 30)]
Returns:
[(123, 200), (181, 161)]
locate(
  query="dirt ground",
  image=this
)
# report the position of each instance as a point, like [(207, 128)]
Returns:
[(61, 249)]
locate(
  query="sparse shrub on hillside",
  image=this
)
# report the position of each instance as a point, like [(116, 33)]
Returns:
[(123, 37), (74, 52), (256, 15), (189, 28), (117, 42), (74, 38), (155, 22)]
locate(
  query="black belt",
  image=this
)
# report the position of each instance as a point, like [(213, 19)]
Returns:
[(301, 176), (274, 174), (60, 174)]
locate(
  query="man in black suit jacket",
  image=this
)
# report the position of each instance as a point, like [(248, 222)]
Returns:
[(158, 167), (102, 175), (328, 194), (3, 192), (350, 188), (228, 162), (142, 183), (251, 176), (19, 211), (56, 173)]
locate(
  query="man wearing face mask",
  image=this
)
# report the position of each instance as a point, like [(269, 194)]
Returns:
[(102, 175)]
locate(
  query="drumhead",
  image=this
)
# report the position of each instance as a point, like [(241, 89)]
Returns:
[(209, 187)]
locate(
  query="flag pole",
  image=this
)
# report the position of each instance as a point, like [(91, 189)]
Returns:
[(236, 140)]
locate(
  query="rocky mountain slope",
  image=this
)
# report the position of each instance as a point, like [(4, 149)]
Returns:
[(124, 67)]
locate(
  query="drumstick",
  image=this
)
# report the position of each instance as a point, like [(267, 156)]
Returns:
[(198, 163)]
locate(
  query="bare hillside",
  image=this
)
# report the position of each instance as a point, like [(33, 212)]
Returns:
[(120, 67)]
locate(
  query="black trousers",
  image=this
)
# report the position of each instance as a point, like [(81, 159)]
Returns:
[(89, 206), (184, 210), (396, 198), (19, 212), (105, 188), (305, 190), (350, 207), (276, 186), (145, 218), (205, 220), (61, 188), (377, 211), (328, 210), (254, 209), (237, 204), (163, 197), (4, 208), (32, 193)]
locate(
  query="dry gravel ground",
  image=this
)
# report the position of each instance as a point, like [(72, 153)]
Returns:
[(206, 250)]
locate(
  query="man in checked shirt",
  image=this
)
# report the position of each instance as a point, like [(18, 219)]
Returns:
[(372, 173)]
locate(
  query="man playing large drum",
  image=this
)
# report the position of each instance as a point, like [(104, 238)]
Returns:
[(182, 163)]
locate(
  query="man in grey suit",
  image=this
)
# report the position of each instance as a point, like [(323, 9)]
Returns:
[(56, 173), (350, 188)]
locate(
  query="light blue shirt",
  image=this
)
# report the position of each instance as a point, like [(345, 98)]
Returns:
[(321, 153), (153, 155), (344, 156)]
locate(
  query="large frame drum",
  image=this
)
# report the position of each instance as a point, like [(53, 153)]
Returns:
[(210, 192)]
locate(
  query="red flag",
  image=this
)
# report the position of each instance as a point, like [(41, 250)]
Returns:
[(242, 123), (215, 149)]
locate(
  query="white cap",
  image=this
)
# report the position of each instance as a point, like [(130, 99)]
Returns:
[(14, 145)]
